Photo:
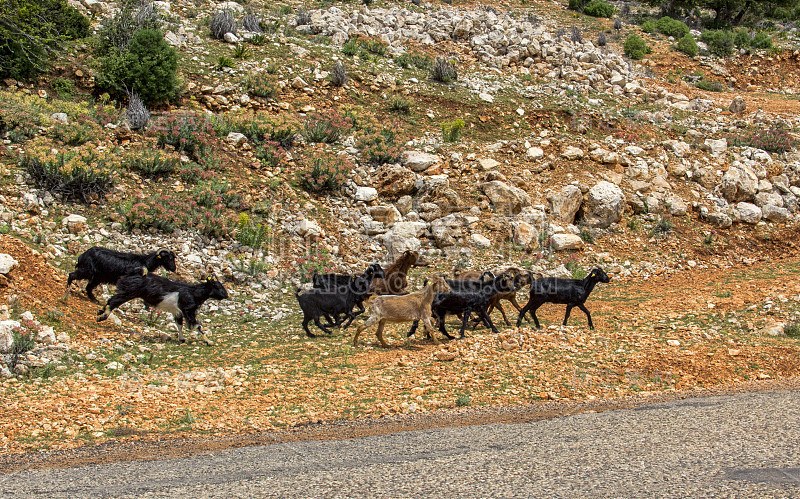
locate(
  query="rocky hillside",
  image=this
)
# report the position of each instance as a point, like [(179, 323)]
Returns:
[(328, 138)]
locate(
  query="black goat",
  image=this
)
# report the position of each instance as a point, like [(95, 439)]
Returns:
[(319, 302), (101, 265), (572, 292), (181, 299), (342, 282), (463, 303)]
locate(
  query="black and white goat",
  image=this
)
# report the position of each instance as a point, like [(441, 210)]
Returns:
[(101, 265), (181, 299), (333, 302), (572, 292)]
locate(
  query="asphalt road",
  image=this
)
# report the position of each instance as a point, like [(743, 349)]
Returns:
[(740, 445)]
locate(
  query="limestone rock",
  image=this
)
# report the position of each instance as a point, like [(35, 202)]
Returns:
[(6, 336), (565, 203), (479, 241), (7, 263), (365, 194), (720, 220), (739, 183), (560, 242), (419, 161), (506, 197), (572, 153), (394, 180), (775, 213), (74, 223), (403, 236), (525, 234), (737, 105), (604, 204), (748, 213)]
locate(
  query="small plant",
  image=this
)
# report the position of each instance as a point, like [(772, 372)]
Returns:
[(271, 154), (188, 419), (662, 227), (338, 74), (586, 236), (303, 17), (325, 127), (241, 51), (323, 175), (463, 400), (64, 88), (23, 341), (261, 84), (761, 41), (599, 8), (635, 47), (601, 40), (577, 271), (774, 139), (379, 148), (258, 39), (451, 131), (443, 70), (83, 173), (399, 104), (137, 114), (351, 47), (249, 233), (152, 163), (617, 24), (223, 62), (792, 329), (709, 86), (634, 224), (187, 132), (222, 22), (575, 35), (687, 45), (252, 267), (416, 60), (251, 23)]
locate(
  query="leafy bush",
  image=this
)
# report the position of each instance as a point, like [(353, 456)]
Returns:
[(31, 33), (338, 74), (720, 43), (325, 127), (672, 27), (351, 47), (250, 233), (217, 194), (222, 22), (662, 227), (741, 38), (761, 41), (650, 26), (271, 154), (599, 8), (63, 87), (324, 174), (151, 162), (83, 173), (451, 130), (76, 133), (187, 132), (148, 67), (241, 51), (379, 148), (223, 62), (774, 139), (709, 86), (399, 104), (635, 47), (261, 84), (443, 70), (688, 46), (576, 5), (168, 212), (792, 329), (283, 131), (258, 39), (414, 60)]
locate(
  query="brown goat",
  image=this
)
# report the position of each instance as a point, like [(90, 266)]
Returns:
[(407, 308), (395, 282)]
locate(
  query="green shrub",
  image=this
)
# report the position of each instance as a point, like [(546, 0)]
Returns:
[(325, 127), (217, 194), (709, 86), (63, 87), (720, 43), (118, 30), (688, 46), (82, 174), (792, 329), (463, 400), (599, 8), (635, 47), (31, 33), (451, 131), (741, 38), (241, 51), (379, 148), (662, 227), (351, 47), (399, 104), (323, 174), (187, 132), (672, 27), (577, 5), (761, 41), (76, 133), (649, 26), (443, 70), (416, 60), (148, 67), (261, 84), (250, 233), (774, 139), (151, 163)]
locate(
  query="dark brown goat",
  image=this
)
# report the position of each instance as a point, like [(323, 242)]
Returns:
[(395, 282)]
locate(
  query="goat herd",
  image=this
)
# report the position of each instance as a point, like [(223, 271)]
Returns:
[(335, 296), (340, 298)]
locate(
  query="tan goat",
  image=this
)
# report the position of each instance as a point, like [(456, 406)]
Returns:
[(405, 308)]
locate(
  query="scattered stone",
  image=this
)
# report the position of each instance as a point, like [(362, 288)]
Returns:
[(565, 203), (561, 242), (749, 213), (572, 153), (505, 197), (604, 204), (737, 105), (479, 241), (419, 161), (7, 263)]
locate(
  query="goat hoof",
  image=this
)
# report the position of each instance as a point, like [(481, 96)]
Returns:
[(102, 318)]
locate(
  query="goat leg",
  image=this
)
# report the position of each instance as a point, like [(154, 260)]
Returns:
[(429, 327), (588, 315), (379, 334), (566, 316), (413, 328), (319, 325), (488, 320)]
